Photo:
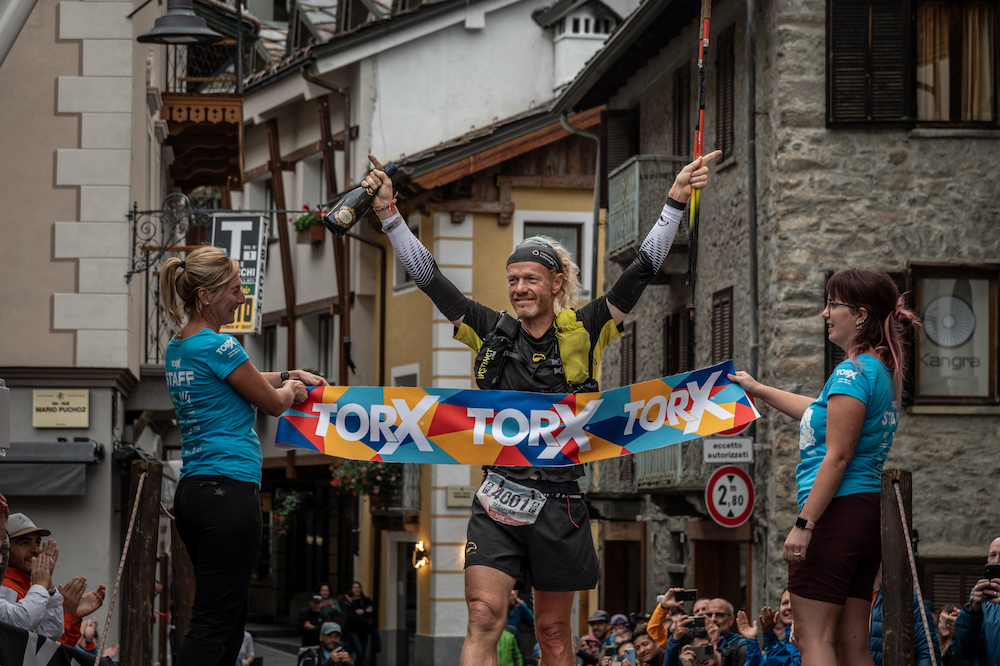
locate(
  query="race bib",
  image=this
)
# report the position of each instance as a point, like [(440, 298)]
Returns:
[(510, 503)]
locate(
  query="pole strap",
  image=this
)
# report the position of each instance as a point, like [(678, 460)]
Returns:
[(913, 572), (121, 565)]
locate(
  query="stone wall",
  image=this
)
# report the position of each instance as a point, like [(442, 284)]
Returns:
[(827, 199)]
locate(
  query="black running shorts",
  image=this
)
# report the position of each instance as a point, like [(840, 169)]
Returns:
[(555, 554)]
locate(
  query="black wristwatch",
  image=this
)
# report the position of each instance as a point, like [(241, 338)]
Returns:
[(804, 524), (284, 375)]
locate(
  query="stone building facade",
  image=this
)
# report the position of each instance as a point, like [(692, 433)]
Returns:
[(906, 195)]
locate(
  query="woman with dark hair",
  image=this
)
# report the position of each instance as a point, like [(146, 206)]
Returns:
[(216, 392), (834, 550), (360, 611)]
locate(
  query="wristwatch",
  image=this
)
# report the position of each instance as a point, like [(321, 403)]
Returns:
[(804, 524), (284, 375)]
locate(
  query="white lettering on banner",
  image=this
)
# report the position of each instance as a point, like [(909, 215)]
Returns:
[(676, 408), (236, 237), (410, 424), (479, 428), (552, 421), (661, 413), (574, 427), (633, 409), (324, 409), (703, 404), (381, 428), (522, 427), (342, 415)]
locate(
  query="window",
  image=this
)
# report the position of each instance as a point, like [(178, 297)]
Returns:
[(725, 93), (675, 343), (619, 141), (568, 235), (270, 335), (402, 279), (722, 325), (628, 355), (406, 375), (955, 355), (326, 346), (682, 111), (576, 26), (900, 61), (956, 61), (586, 25)]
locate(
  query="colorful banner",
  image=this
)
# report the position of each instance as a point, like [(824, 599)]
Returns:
[(22, 648), (454, 426)]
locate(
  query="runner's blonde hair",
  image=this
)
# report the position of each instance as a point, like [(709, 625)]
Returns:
[(569, 294)]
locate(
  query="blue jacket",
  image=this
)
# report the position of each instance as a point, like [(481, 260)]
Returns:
[(520, 614), (977, 635), (920, 651), (776, 652)]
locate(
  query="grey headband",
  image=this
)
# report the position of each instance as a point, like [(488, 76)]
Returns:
[(537, 250)]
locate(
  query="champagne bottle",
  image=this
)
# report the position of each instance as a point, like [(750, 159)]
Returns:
[(346, 212)]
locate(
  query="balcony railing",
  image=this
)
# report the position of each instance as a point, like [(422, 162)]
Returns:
[(637, 191), (676, 467)]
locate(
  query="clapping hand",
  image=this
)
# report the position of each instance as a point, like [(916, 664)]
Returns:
[(766, 620), (747, 630), (4, 515), (90, 602)]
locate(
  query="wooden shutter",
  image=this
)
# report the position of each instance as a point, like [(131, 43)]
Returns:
[(725, 93), (869, 72), (628, 354), (722, 325), (682, 111), (948, 582), (675, 343), (619, 141)]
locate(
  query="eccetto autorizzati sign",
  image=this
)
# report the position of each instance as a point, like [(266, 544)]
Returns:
[(455, 426)]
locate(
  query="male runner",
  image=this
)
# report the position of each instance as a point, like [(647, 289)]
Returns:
[(550, 348)]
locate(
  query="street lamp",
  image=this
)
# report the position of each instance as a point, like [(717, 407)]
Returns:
[(180, 25)]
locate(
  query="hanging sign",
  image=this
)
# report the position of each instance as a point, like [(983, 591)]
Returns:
[(244, 238), (438, 425), (729, 496)]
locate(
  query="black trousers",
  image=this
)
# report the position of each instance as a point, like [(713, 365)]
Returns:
[(219, 520)]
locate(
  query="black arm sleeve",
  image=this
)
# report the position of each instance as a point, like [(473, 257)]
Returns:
[(629, 287)]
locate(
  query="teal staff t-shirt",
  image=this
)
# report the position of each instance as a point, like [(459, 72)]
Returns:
[(869, 380), (217, 434)]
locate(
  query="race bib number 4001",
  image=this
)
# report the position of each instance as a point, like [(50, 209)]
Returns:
[(510, 503)]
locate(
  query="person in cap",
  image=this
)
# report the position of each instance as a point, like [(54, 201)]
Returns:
[(600, 626), (330, 650), (551, 348), (589, 650), (28, 598), (310, 621)]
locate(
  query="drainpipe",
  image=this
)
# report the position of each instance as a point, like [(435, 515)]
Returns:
[(13, 16), (597, 199)]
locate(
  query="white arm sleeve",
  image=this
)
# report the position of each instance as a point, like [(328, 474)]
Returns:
[(26, 613)]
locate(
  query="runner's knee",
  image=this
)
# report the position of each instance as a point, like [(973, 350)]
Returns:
[(553, 634), (484, 617)]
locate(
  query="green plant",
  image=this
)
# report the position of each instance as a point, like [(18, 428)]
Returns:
[(307, 219), (365, 477), (287, 507)]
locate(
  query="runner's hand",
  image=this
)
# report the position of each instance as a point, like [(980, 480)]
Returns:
[(692, 177), (378, 180)]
